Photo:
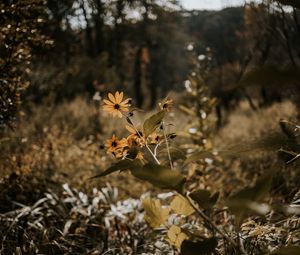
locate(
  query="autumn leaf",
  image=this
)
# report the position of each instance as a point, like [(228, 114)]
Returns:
[(155, 215), (175, 236), (181, 206)]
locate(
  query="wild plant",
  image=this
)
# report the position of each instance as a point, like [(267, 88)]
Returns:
[(192, 221)]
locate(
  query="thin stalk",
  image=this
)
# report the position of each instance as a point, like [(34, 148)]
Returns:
[(155, 158), (155, 149), (167, 145), (138, 133), (208, 220)]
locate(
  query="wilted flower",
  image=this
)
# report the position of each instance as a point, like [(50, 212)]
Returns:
[(167, 104), (115, 105), (154, 138)]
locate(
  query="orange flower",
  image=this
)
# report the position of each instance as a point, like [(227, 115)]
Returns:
[(120, 153), (167, 104), (136, 136), (114, 105), (115, 144)]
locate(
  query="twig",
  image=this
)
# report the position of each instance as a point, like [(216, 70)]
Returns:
[(212, 224), (293, 159), (167, 145), (138, 133)]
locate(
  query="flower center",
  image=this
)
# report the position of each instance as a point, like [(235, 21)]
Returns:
[(114, 144), (117, 106)]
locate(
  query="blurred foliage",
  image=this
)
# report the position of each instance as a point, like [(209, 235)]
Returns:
[(231, 189), (22, 24), (100, 44)]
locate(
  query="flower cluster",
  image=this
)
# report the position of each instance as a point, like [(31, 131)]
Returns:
[(137, 140)]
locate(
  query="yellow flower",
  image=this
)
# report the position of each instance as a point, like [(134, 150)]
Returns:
[(115, 144), (136, 136), (167, 104), (114, 105)]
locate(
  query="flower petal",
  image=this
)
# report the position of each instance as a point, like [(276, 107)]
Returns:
[(124, 109), (108, 108), (121, 96), (112, 98), (115, 113), (108, 102), (119, 114), (130, 129), (126, 101)]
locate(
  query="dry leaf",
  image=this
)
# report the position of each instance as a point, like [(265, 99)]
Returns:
[(181, 206), (155, 215), (175, 236)]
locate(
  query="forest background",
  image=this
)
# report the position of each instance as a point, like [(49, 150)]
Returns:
[(60, 58)]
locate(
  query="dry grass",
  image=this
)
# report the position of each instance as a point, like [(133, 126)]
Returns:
[(244, 123), (63, 144)]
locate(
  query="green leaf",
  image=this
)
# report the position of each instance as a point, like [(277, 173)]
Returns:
[(198, 155), (207, 247), (120, 166), (247, 199), (288, 250), (132, 153), (174, 152), (155, 214), (204, 199), (153, 122), (160, 176)]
